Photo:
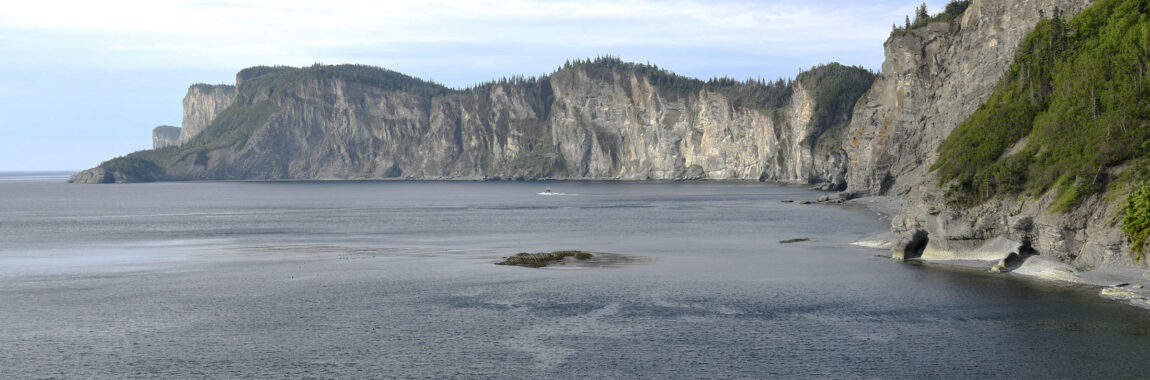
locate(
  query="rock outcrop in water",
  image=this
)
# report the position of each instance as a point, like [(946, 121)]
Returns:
[(542, 259)]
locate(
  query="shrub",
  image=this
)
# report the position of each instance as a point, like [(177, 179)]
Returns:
[(1077, 91), (1136, 223)]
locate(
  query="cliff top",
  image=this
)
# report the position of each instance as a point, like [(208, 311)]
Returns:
[(922, 17), (261, 78)]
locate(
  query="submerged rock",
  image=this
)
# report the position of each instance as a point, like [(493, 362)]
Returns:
[(542, 259)]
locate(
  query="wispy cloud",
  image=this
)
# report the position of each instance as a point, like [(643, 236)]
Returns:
[(232, 34)]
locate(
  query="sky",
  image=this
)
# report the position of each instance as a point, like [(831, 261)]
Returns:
[(85, 81)]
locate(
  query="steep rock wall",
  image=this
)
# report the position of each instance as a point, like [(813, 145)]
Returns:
[(201, 105), (597, 126), (165, 136), (622, 127), (932, 79)]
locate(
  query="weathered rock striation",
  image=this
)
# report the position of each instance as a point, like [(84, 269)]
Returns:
[(201, 106), (932, 79), (596, 120)]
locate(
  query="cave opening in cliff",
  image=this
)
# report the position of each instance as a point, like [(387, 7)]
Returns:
[(916, 245)]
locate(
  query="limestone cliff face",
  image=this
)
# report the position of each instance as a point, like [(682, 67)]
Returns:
[(164, 136), (623, 127), (201, 105), (576, 123), (932, 79)]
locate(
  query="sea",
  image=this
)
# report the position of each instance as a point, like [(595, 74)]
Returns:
[(397, 279)]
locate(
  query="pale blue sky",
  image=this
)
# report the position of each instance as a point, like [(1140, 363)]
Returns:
[(85, 81)]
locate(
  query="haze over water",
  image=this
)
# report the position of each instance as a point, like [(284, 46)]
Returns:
[(396, 279)]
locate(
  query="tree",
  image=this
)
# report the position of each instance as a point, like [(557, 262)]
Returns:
[(921, 15), (1136, 223), (908, 23)]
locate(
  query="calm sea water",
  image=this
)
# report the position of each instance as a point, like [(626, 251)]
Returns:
[(395, 279)]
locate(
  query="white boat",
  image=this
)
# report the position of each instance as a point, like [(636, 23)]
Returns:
[(549, 192)]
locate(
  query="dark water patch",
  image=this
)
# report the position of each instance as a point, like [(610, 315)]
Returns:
[(518, 208), (617, 207)]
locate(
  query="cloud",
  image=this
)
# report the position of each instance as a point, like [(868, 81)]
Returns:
[(233, 34), (121, 67)]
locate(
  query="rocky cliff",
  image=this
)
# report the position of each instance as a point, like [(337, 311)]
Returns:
[(165, 136), (932, 80), (201, 105), (602, 119)]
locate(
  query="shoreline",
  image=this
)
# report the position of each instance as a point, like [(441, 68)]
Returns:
[(1128, 285)]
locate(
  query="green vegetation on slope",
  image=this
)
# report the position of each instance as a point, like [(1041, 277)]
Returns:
[(262, 79), (1077, 92), (836, 90), (256, 71), (752, 93), (541, 162), (234, 125), (536, 162), (231, 128), (1136, 223), (204, 87), (136, 168)]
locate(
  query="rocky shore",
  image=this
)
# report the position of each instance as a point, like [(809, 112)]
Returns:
[(998, 256), (1001, 256)]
